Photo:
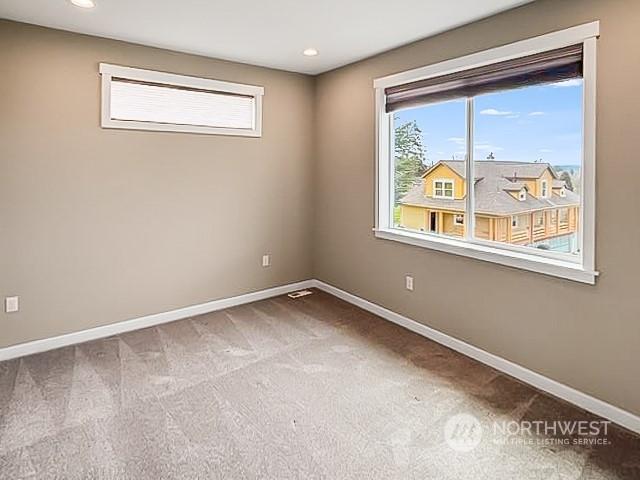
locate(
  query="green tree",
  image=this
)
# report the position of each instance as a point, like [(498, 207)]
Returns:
[(410, 155), (566, 176)]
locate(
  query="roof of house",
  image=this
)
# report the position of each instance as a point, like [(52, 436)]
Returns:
[(515, 186), (489, 168), (493, 182)]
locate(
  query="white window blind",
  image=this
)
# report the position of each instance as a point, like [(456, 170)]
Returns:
[(147, 100), (167, 104)]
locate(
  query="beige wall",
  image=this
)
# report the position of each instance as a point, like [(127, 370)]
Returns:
[(98, 226), (587, 337)]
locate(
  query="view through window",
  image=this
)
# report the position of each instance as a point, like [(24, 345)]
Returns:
[(527, 161), (422, 135)]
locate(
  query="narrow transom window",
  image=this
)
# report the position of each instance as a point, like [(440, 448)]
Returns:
[(493, 138), (148, 100)]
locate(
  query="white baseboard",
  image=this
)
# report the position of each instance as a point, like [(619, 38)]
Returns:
[(571, 395), (37, 346)]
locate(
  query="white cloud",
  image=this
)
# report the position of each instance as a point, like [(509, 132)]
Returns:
[(487, 147), (574, 82), (536, 114), (457, 140), (494, 112)]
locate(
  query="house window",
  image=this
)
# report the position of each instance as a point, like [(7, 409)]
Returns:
[(544, 189), (494, 122), (564, 215), (538, 219), (522, 195), (458, 219), (147, 100), (443, 188)]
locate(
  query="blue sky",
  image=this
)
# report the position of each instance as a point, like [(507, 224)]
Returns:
[(527, 124)]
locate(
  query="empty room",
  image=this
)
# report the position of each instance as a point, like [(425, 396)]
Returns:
[(319, 240)]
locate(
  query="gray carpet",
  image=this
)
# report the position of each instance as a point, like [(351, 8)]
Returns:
[(308, 388)]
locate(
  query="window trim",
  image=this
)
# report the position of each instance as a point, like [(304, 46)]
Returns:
[(108, 71), (582, 268), (444, 181), (455, 219)]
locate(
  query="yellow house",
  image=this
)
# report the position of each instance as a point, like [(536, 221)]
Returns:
[(515, 202)]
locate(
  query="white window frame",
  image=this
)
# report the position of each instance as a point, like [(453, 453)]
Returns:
[(455, 219), (580, 267), (444, 181), (108, 71), (515, 221)]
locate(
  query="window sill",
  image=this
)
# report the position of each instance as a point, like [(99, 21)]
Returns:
[(523, 261), (177, 128)]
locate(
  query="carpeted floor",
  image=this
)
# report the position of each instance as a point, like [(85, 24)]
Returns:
[(279, 389)]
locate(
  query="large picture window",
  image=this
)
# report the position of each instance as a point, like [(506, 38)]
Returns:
[(493, 155)]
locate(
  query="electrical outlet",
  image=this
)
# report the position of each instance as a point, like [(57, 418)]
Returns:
[(11, 304), (266, 260), (408, 283)]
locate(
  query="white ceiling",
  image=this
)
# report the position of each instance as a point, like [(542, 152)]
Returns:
[(270, 33)]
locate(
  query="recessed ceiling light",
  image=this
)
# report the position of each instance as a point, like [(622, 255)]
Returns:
[(310, 52), (84, 3)]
